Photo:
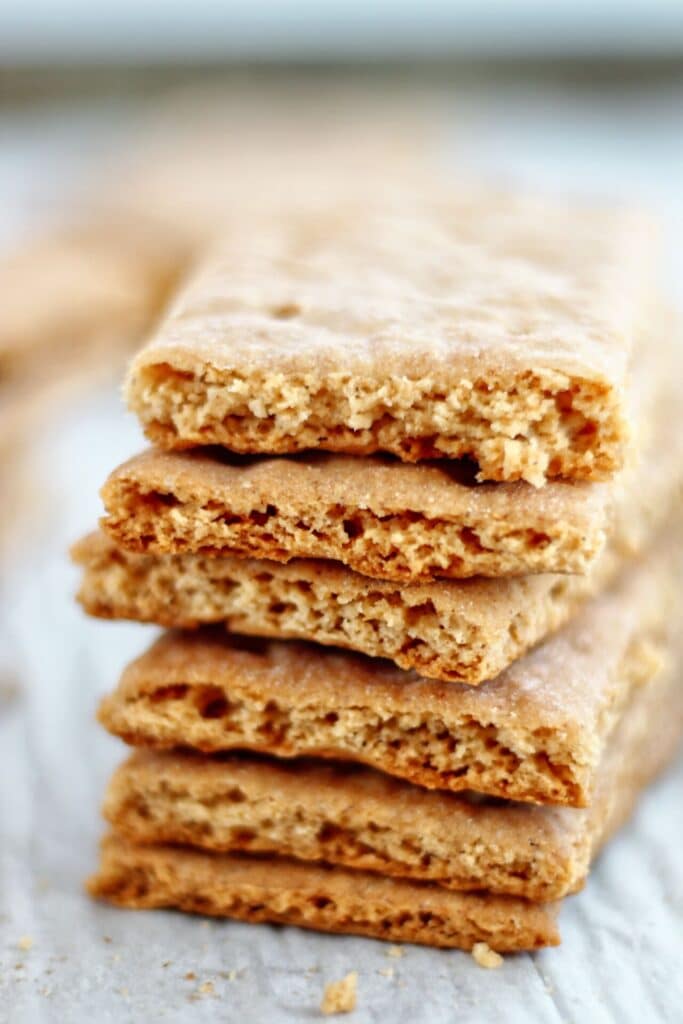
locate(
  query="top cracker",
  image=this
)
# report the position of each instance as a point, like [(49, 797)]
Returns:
[(492, 326)]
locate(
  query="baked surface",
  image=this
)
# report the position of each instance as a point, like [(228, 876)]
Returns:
[(479, 324), (393, 521), (536, 733), (453, 630), (313, 896), (384, 519), (362, 819)]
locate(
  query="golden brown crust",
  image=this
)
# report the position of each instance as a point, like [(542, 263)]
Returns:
[(440, 326), (384, 519), (454, 630), (393, 521), (535, 733), (313, 896), (365, 820), (343, 814)]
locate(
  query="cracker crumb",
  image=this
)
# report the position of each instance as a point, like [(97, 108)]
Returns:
[(340, 996), (396, 951), (123, 992), (10, 686), (106, 938), (386, 972), (190, 976), (485, 956), (25, 943), (206, 988)]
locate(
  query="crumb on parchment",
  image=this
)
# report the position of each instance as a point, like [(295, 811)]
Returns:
[(340, 996), (485, 956), (25, 943)]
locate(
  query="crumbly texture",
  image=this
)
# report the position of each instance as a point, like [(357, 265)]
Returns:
[(488, 325), (456, 631), (535, 733), (340, 996), (315, 896), (362, 819), (393, 521), (382, 518)]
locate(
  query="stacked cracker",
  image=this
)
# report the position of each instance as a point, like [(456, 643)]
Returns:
[(405, 695)]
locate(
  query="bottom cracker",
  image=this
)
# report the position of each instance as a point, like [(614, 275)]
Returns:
[(318, 897)]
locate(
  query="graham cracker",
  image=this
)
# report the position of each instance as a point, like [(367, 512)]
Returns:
[(271, 889), (387, 520), (362, 819), (456, 631), (451, 323), (398, 522), (536, 733)]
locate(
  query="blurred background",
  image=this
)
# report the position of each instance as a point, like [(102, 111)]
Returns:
[(131, 133)]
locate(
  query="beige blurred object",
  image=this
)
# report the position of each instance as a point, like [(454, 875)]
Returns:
[(27, 402), (80, 288), (75, 303), (204, 159)]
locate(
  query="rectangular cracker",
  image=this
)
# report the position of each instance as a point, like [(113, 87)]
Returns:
[(460, 323), (388, 520), (270, 889), (456, 631), (393, 521), (536, 733), (362, 819)]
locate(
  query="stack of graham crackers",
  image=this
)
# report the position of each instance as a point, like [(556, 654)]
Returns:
[(412, 520)]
